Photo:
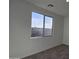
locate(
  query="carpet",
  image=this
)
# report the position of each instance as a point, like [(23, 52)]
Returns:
[(58, 52)]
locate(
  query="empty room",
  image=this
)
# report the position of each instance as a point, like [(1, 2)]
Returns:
[(38, 29)]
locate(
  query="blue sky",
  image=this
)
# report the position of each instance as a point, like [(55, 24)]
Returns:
[(37, 20)]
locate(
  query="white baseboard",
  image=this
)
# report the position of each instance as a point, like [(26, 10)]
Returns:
[(13, 58)]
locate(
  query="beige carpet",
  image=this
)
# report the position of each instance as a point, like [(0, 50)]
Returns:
[(59, 52)]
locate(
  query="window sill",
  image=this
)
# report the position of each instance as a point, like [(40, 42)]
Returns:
[(36, 37), (40, 37)]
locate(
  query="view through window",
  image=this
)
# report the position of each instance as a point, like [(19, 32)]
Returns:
[(41, 25)]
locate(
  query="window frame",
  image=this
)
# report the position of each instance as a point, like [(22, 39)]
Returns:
[(44, 26)]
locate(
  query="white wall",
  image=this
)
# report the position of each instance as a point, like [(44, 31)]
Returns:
[(20, 44), (66, 31)]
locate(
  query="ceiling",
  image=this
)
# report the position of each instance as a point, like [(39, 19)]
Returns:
[(61, 7)]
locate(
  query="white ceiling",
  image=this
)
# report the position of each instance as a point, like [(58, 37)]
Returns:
[(60, 6)]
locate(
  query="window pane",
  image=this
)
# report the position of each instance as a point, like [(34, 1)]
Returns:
[(48, 26), (37, 24)]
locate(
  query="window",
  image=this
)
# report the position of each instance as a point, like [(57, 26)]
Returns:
[(41, 25), (48, 26)]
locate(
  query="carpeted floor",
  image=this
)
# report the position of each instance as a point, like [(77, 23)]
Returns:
[(58, 52)]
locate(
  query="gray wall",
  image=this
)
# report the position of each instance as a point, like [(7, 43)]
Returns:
[(20, 42), (66, 31)]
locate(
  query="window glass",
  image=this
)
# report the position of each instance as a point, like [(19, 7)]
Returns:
[(48, 26), (37, 24)]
